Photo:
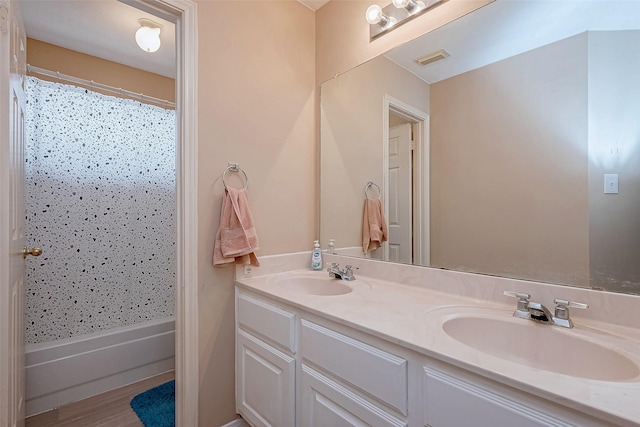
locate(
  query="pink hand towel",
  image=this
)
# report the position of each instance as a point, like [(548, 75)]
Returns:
[(374, 226), (236, 239)]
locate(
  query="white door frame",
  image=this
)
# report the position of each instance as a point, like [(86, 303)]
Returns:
[(187, 382), (420, 173), (184, 14)]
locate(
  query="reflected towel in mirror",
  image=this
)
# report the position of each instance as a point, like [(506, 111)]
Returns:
[(374, 226)]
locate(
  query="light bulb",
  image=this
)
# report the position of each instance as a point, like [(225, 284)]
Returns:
[(148, 38), (374, 14), (400, 3), (411, 6)]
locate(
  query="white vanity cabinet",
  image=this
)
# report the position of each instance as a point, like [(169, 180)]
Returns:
[(293, 371), (265, 363), (295, 368)]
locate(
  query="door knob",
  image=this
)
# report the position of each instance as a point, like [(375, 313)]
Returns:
[(32, 251)]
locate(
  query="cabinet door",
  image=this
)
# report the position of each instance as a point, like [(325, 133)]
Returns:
[(326, 403), (452, 402), (265, 383)]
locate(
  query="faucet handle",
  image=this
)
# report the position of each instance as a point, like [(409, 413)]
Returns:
[(523, 299), (522, 309), (334, 266), (516, 295), (348, 272), (562, 307)]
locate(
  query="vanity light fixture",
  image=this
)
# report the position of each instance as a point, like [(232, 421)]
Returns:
[(382, 20), (148, 35)]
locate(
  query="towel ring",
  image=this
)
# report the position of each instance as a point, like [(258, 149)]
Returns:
[(369, 185), (234, 167)]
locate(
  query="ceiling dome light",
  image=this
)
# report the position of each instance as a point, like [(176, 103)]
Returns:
[(148, 35)]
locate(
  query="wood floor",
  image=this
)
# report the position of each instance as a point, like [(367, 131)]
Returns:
[(110, 409)]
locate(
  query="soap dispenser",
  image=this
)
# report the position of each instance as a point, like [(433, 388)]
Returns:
[(316, 256)]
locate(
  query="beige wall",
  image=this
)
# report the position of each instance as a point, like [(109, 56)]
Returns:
[(65, 61), (256, 107), (614, 147), (509, 167)]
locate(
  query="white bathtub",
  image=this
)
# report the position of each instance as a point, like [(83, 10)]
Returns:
[(71, 369)]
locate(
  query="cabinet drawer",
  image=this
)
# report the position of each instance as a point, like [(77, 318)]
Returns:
[(446, 395), (270, 323), (373, 371), (326, 403)]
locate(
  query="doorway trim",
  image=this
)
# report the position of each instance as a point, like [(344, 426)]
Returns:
[(420, 122), (187, 382), (184, 14)]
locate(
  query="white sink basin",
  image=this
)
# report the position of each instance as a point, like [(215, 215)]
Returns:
[(314, 285), (572, 352)]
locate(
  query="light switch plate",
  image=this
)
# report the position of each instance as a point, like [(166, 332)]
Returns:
[(610, 183)]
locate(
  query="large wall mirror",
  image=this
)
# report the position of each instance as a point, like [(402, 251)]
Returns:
[(513, 151)]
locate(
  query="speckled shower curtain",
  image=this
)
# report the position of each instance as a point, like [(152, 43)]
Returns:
[(100, 193)]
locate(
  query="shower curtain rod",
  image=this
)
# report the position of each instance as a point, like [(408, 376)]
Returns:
[(100, 86)]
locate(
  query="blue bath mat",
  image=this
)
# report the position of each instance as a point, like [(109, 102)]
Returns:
[(157, 407)]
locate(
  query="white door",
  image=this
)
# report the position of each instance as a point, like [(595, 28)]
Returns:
[(12, 98), (399, 194)]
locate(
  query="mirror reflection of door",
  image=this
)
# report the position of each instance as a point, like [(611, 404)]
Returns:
[(406, 183), (400, 193)]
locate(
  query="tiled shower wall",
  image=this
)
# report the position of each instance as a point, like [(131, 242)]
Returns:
[(100, 193)]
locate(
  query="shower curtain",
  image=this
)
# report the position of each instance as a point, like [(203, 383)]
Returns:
[(100, 199)]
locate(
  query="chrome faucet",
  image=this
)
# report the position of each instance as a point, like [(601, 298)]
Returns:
[(539, 313), (526, 309), (336, 273)]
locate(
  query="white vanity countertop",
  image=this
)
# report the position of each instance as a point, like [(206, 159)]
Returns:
[(409, 316)]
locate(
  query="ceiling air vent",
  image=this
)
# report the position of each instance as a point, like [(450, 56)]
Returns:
[(433, 57)]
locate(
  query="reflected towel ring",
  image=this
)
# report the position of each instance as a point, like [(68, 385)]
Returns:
[(234, 167), (368, 186)]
